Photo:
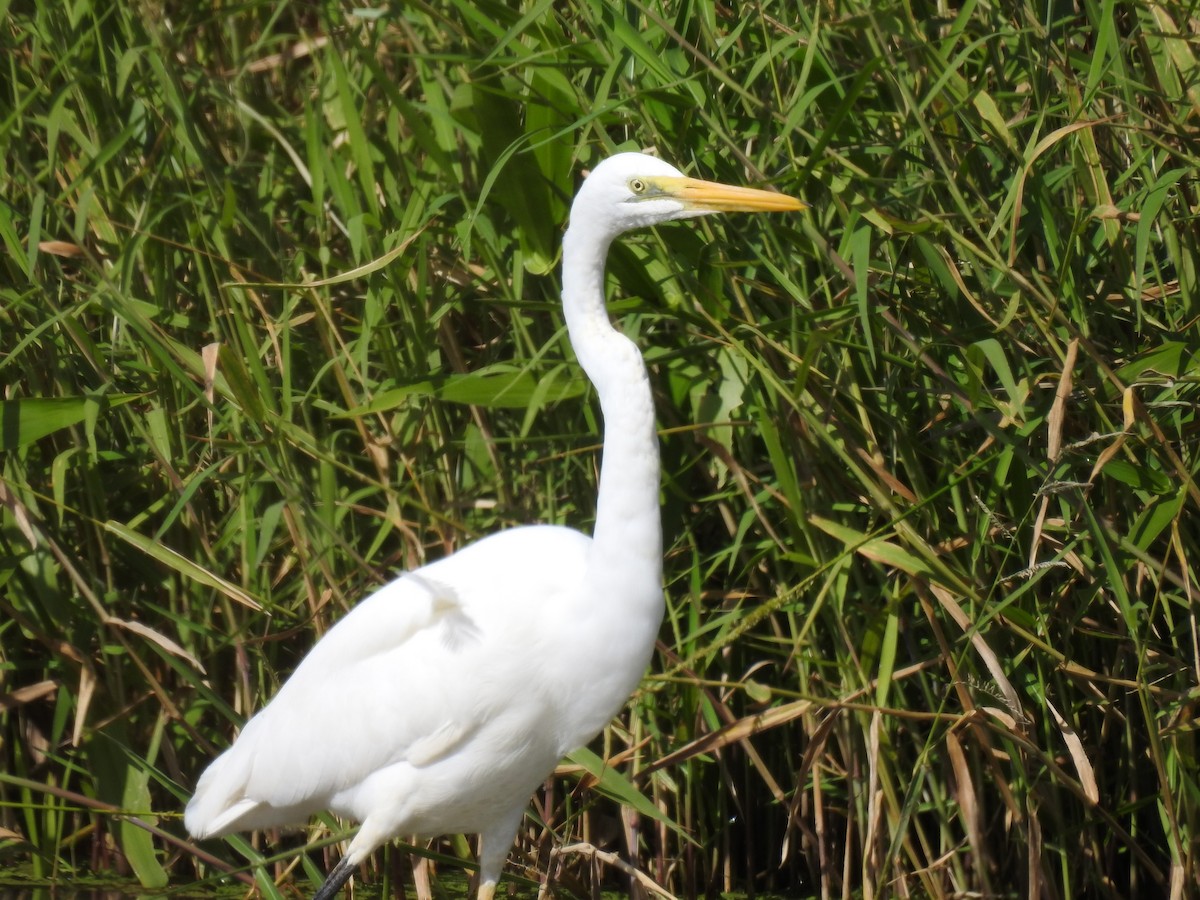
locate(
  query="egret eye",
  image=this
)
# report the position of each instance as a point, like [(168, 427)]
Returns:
[(637, 185)]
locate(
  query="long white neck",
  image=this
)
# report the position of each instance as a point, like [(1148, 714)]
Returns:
[(627, 542)]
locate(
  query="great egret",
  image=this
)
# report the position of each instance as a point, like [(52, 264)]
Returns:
[(440, 702)]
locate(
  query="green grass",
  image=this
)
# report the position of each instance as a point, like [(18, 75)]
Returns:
[(930, 497)]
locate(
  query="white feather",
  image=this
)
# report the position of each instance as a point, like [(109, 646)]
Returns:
[(441, 701)]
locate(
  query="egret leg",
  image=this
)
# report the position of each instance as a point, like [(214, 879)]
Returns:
[(421, 881), (336, 878), (494, 845)]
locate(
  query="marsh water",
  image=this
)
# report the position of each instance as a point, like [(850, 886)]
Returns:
[(126, 891), (15, 887), (120, 890)]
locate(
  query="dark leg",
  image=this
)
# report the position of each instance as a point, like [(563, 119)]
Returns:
[(337, 877)]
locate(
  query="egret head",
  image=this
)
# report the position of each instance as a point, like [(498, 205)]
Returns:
[(632, 190)]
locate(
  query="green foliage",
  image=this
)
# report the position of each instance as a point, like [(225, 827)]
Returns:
[(278, 318)]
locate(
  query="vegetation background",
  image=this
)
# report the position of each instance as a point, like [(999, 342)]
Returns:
[(278, 318)]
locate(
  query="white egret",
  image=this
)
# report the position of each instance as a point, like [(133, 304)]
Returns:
[(440, 702)]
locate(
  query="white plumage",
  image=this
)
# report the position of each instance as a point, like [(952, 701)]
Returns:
[(442, 700)]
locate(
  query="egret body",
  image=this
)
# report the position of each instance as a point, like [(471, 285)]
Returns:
[(441, 701)]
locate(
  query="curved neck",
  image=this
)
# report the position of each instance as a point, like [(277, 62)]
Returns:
[(627, 542)]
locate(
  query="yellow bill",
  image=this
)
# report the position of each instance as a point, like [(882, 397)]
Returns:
[(716, 197)]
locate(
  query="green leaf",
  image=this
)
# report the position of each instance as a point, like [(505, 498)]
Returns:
[(136, 842), (613, 784), (1170, 359), (757, 691), (873, 548), (181, 564), (887, 657), (123, 780), (990, 350), (28, 419), (1140, 477), (1156, 518)]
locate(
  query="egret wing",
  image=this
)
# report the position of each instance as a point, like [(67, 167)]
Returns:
[(360, 700), (414, 674)]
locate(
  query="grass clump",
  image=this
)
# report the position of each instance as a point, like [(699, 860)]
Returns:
[(929, 450)]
